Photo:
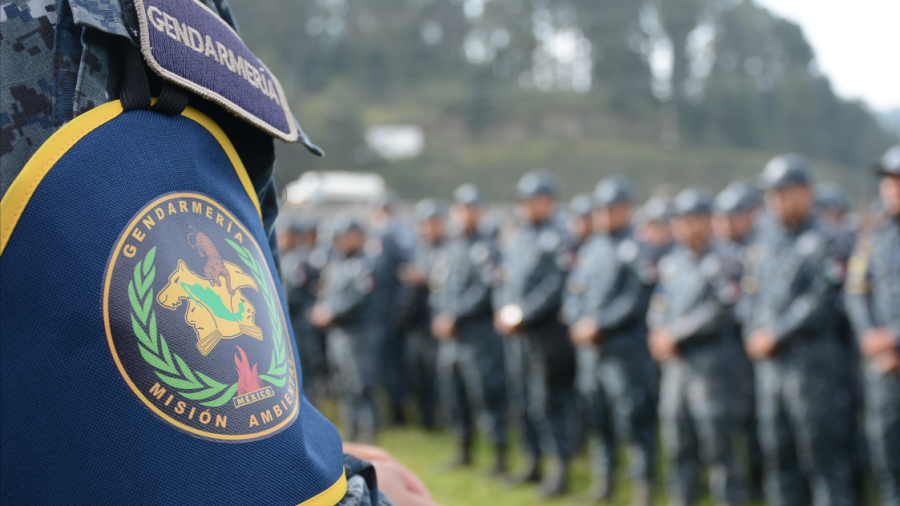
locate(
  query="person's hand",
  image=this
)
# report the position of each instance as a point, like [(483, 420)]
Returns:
[(398, 483), (508, 319), (877, 341), (411, 275), (585, 331), (321, 316), (443, 326), (662, 344), (888, 362), (501, 327), (761, 344)]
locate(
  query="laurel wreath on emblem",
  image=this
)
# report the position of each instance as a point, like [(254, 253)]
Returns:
[(278, 366), (172, 369)]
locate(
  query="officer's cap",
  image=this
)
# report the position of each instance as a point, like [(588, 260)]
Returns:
[(386, 200), (489, 228), (890, 162), (736, 198), (345, 224), (469, 195), (831, 196), (581, 205), (430, 209), (693, 201), (789, 169), (534, 184), (297, 225), (658, 209), (612, 191)]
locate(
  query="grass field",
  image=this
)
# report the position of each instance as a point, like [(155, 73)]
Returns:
[(428, 453)]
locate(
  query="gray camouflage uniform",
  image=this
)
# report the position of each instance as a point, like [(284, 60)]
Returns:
[(873, 300), (390, 247), (300, 271), (470, 365), (616, 381), (349, 292), (735, 199), (791, 285), (421, 348), (539, 360), (693, 300)]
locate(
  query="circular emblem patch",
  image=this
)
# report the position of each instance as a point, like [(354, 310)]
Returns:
[(194, 322)]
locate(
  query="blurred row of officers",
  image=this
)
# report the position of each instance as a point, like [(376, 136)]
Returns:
[(760, 333)]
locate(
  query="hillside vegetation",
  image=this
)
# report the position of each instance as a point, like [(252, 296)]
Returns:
[(669, 91)]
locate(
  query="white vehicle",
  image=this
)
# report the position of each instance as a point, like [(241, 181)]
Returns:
[(337, 187)]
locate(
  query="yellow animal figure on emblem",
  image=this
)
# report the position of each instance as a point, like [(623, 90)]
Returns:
[(213, 313)]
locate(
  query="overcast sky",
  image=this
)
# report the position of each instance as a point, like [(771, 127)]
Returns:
[(856, 44)]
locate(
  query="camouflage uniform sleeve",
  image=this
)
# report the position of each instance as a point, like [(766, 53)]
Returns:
[(545, 298), (710, 316), (27, 81), (500, 296), (657, 312), (629, 306), (362, 485), (857, 289), (476, 298), (350, 296), (810, 308), (703, 320), (746, 309), (572, 298)]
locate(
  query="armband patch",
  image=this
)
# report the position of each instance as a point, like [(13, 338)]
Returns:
[(194, 322), (185, 42)]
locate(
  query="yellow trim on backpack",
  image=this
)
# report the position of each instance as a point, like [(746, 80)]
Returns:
[(25, 184), (331, 495)]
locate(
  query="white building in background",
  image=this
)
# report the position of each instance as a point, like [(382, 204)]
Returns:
[(395, 142), (337, 187)]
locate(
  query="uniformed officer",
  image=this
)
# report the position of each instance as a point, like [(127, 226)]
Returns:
[(653, 226), (873, 302), (421, 349), (345, 309), (692, 331), (470, 356), (791, 285), (578, 223), (301, 264), (539, 358), (390, 245), (734, 216), (734, 213), (832, 204), (607, 297)]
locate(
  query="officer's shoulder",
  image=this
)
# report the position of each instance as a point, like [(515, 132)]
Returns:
[(668, 264), (883, 226), (550, 239), (630, 249), (817, 237), (359, 265), (589, 250), (480, 252), (728, 256), (291, 259), (318, 258)]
